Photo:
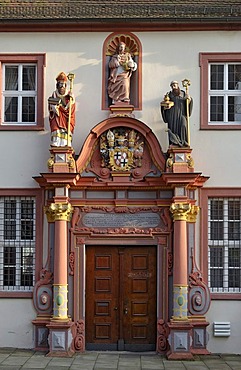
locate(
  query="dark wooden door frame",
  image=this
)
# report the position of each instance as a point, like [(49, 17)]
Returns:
[(77, 284)]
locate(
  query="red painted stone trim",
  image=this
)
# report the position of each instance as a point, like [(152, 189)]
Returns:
[(204, 194), (38, 193), (118, 26), (40, 60), (204, 60)]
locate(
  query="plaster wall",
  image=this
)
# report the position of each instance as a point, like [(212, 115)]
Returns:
[(166, 56), (16, 323), (225, 311)]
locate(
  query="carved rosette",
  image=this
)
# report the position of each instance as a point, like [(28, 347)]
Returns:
[(162, 336), (42, 293), (180, 211), (59, 212)]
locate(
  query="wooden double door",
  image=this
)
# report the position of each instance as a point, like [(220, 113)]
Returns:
[(121, 298)]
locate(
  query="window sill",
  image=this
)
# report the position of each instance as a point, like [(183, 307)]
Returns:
[(221, 127), (13, 294), (226, 296), (21, 128)]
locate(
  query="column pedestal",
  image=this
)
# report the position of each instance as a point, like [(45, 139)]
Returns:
[(180, 340), (60, 338)]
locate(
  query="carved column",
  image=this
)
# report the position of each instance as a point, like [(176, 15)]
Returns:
[(180, 270), (60, 336), (180, 327)]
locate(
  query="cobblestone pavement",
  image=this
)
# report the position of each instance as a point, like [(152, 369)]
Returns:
[(14, 359)]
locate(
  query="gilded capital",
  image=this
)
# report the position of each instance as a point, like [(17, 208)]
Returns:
[(192, 215), (59, 212), (180, 211)]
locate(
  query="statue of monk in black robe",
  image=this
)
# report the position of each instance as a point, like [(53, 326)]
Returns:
[(176, 114)]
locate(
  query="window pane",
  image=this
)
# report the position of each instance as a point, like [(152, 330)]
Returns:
[(234, 278), (234, 108), (234, 77), (9, 256), (216, 108), (27, 225), (234, 220), (9, 271), (26, 230), (9, 229), (216, 230), (27, 207), (216, 219), (10, 209), (217, 77), (29, 78), (216, 256), (216, 209), (216, 278), (233, 230), (234, 257), (28, 109), (11, 78), (10, 212), (27, 267), (11, 109)]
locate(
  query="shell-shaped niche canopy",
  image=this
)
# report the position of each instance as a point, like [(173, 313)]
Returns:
[(131, 44)]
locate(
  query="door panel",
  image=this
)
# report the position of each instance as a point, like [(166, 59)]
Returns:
[(121, 298), (139, 282), (101, 296)]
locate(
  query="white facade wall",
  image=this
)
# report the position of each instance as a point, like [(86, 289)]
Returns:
[(165, 56), (16, 323)]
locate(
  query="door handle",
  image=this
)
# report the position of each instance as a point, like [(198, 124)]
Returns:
[(125, 310)]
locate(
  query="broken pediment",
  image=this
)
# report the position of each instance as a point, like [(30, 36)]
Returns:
[(121, 148)]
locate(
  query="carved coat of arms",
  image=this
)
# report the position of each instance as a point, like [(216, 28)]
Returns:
[(121, 149)]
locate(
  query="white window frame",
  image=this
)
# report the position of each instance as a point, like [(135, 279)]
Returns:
[(20, 94), (18, 243), (226, 243), (225, 93)]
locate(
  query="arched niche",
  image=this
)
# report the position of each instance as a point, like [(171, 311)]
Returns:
[(133, 46)]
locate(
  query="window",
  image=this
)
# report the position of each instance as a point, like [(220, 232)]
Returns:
[(224, 245), (220, 90), (22, 92), (19, 93), (17, 243)]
